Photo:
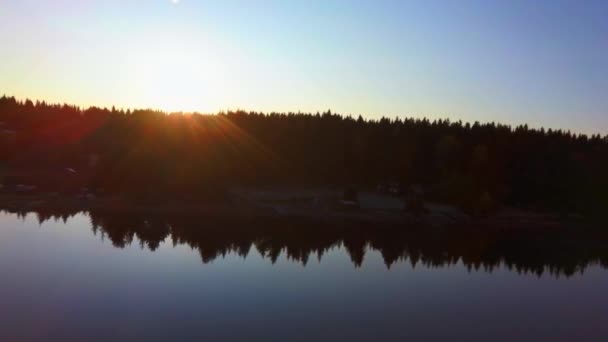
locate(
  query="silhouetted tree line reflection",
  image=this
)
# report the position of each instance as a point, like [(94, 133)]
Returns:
[(562, 252)]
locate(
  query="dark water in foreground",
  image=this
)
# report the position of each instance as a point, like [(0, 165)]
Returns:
[(110, 278)]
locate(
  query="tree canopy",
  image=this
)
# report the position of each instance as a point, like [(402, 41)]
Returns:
[(146, 152)]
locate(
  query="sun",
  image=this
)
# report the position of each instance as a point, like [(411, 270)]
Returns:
[(175, 2), (177, 78)]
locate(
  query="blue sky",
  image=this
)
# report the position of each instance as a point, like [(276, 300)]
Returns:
[(544, 63)]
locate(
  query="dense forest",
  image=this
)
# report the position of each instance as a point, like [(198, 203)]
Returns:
[(147, 153)]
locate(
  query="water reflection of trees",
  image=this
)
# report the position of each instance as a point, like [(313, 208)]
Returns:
[(557, 252)]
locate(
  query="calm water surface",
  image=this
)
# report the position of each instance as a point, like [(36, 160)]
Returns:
[(77, 280)]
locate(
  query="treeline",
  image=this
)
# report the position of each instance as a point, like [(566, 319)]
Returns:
[(147, 153)]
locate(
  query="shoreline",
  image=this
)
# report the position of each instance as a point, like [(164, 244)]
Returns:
[(245, 207)]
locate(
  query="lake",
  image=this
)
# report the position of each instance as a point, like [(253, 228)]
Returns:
[(87, 276)]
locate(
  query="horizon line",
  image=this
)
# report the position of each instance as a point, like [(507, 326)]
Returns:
[(366, 118)]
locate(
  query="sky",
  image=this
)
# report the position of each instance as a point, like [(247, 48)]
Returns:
[(544, 63)]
